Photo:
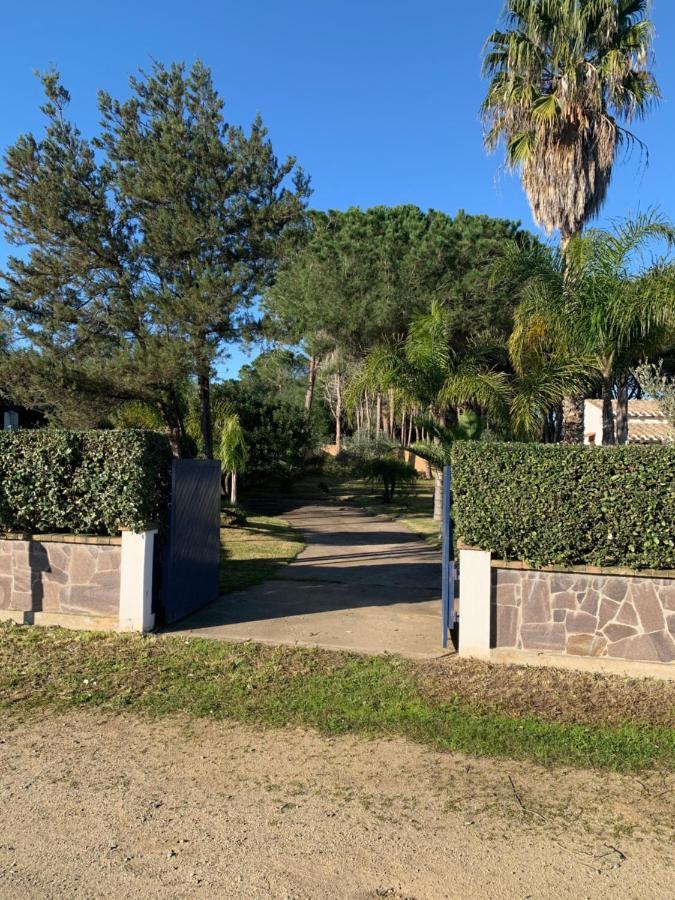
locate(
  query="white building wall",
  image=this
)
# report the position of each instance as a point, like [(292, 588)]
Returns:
[(592, 423)]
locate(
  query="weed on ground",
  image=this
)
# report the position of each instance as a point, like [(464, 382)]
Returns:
[(335, 693)]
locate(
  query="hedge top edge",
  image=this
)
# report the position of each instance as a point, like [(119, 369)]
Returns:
[(82, 482), (570, 505)]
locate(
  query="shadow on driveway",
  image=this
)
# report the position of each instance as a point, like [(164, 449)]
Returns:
[(360, 584)]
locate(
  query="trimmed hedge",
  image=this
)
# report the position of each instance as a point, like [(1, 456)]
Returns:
[(573, 505), (82, 482)]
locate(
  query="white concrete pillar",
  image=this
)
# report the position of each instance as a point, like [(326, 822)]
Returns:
[(136, 581), (474, 602)]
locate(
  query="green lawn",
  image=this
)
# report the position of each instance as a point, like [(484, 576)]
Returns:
[(252, 553), (55, 670)]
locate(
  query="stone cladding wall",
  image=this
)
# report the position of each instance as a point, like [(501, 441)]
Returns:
[(60, 574), (600, 614)]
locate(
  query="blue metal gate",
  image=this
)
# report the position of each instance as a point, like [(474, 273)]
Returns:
[(449, 614), (192, 552)]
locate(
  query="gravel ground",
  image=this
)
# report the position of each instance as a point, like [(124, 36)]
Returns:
[(555, 695), (123, 806)]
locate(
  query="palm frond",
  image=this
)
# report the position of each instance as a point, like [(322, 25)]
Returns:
[(438, 455), (232, 449), (565, 78)]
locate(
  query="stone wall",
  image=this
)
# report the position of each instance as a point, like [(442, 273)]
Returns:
[(62, 574), (582, 613)]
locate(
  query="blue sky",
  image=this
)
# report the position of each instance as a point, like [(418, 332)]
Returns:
[(378, 100)]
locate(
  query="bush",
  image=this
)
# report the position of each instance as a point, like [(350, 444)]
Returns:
[(390, 473), (603, 506), (86, 482), (232, 517), (357, 453), (363, 447), (376, 460), (278, 437)]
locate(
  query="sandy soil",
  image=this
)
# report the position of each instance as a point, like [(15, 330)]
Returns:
[(93, 806)]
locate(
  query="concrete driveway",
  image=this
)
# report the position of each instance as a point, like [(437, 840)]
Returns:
[(360, 584)]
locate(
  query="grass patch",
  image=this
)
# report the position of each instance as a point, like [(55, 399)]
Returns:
[(252, 553), (335, 693)]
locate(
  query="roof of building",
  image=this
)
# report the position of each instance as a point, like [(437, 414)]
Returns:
[(637, 409), (650, 433), (646, 422)]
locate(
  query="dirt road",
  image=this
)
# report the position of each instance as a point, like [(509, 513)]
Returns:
[(123, 807)]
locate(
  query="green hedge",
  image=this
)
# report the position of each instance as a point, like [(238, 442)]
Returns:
[(604, 506), (82, 482)]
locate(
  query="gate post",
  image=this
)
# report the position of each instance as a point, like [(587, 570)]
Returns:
[(136, 569), (475, 579), (448, 559)]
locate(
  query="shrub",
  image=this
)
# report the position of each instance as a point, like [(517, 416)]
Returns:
[(278, 434), (232, 517), (604, 506), (362, 447), (87, 482), (377, 460), (357, 453), (390, 473)]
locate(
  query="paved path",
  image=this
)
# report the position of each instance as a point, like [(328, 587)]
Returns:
[(360, 584)]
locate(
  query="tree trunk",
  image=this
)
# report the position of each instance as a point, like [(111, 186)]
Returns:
[(392, 423), (608, 433), (233, 487), (378, 414), (438, 495), (557, 434), (172, 416), (572, 420), (572, 431), (622, 410), (547, 431), (338, 412), (204, 386), (565, 238), (311, 381), (175, 440)]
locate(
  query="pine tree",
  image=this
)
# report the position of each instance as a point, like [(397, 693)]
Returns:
[(145, 243)]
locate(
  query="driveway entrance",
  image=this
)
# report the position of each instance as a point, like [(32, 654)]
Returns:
[(360, 584)]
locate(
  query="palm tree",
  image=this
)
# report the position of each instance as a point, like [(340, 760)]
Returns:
[(478, 383), (426, 372), (600, 307), (187, 438), (566, 78), (233, 451), (436, 449)]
